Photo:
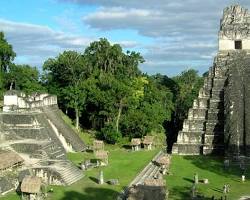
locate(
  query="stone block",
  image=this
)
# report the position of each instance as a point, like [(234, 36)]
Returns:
[(187, 149), (190, 137)]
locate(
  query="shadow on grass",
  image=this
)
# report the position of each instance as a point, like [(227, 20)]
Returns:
[(188, 180), (214, 164), (217, 190), (126, 146), (184, 192), (94, 179), (91, 193)]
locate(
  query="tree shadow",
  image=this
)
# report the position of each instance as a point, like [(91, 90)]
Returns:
[(126, 146), (217, 190), (184, 192), (91, 193), (188, 179), (216, 165), (94, 179)]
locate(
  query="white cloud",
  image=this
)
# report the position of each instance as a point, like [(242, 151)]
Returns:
[(183, 30), (127, 43), (34, 43), (117, 13), (37, 43)]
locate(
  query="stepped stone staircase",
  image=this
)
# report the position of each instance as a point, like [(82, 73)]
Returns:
[(203, 130), (31, 134), (67, 171), (149, 172), (54, 115)]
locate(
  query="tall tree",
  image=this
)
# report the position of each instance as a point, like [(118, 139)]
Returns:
[(23, 77), (65, 74), (7, 54)]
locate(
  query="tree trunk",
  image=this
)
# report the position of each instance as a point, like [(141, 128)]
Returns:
[(77, 118), (119, 116)]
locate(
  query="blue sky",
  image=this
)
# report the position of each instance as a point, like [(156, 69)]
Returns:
[(171, 35)]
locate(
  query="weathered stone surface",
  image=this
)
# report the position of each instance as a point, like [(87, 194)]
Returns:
[(219, 119), (41, 137)]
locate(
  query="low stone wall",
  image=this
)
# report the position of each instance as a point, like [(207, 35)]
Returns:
[(48, 176), (15, 101)]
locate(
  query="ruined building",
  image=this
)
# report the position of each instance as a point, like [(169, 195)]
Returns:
[(219, 122), (32, 129)]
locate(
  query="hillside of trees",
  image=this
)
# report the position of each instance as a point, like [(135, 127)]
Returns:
[(103, 89)]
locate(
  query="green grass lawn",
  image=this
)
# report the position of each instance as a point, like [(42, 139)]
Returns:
[(123, 165), (182, 171)]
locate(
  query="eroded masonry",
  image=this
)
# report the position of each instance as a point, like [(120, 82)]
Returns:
[(34, 140), (219, 121)]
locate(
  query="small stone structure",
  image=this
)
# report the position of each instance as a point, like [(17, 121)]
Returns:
[(164, 163), (31, 186), (136, 144), (218, 122), (148, 142), (98, 145), (151, 189), (16, 100), (234, 29), (102, 156)]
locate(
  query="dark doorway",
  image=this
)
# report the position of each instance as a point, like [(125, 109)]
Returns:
[(238, 44)]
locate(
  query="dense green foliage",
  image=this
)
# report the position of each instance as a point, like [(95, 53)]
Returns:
[(7, 55), (12, 76), (23, 77), (103, 89)]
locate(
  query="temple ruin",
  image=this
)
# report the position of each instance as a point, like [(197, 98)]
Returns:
[(32, 130), (219, 122)]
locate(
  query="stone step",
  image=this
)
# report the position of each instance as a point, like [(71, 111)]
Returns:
[(200, 103), (217, 94), (193, 125), (197, 113), (216, 149), (57, 151), (190, 137), (69, 173), (62, 155), (213, 115), (213, 139), (187, 149), (147, 170), (215, 104)]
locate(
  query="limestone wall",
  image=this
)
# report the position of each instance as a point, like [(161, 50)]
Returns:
[(15, 101), (234, 26), (228, 44)]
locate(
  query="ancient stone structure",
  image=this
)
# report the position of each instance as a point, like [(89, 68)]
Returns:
[(148, 142), (136, 144), (31, 186), (219, 122), (32, 127), (16, 100), (234, 29), (150, 189)]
